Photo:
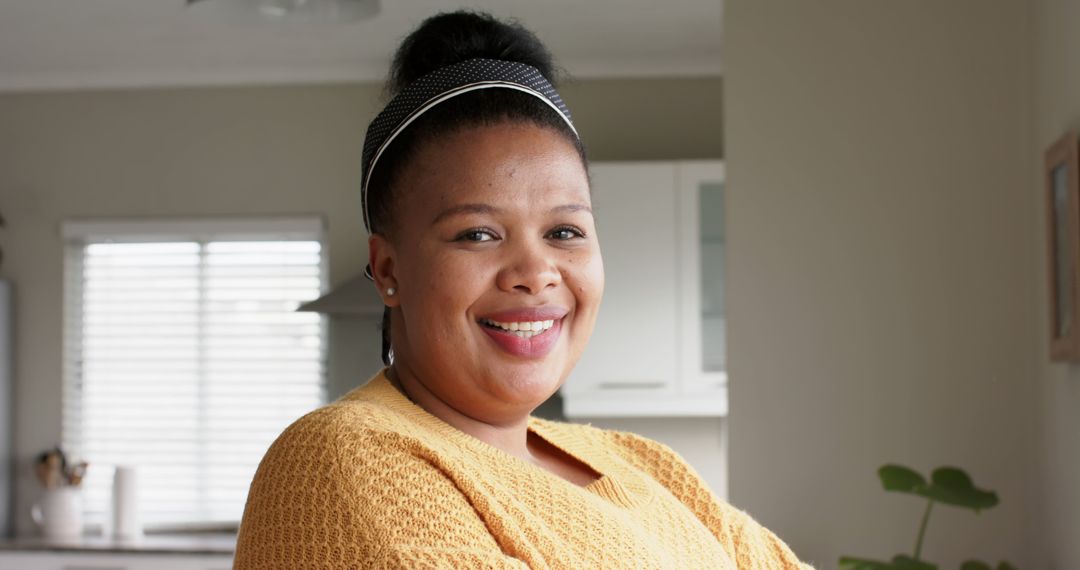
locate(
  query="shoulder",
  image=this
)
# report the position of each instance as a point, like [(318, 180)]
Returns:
[(344, 418), (345, 477), (366, 412), (344, 444), (331, 425)]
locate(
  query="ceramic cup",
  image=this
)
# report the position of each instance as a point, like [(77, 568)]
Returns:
[(59, 514)]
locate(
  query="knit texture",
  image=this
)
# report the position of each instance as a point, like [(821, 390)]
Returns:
[(374, 481)]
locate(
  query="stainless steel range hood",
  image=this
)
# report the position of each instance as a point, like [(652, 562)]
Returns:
[(356, 297)]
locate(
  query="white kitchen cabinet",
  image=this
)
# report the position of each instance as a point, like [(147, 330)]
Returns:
[(657, 349), (703, 346), (111, 561)]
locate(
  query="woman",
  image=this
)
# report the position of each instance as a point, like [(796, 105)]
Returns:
[(484, 250)]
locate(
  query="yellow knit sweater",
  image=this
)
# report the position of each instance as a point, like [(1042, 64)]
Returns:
[(374, 481)]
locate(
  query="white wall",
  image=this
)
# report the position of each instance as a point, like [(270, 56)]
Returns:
[(1057, 109), (883, 269)]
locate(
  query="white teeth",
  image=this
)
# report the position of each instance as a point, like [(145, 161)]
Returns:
[(525, 329)]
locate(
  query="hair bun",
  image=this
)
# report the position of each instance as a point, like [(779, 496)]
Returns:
[(452, 37)]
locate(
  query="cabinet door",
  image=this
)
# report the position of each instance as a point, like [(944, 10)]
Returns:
[(633, 347), (702, 249)]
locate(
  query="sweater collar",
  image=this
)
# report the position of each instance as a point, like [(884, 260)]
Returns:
[(567, 437)]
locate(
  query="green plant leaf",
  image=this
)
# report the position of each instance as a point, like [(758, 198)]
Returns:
[(953, 486), (1004, 565), (850, 563), (975, 565), (899, 562), (901, 479)]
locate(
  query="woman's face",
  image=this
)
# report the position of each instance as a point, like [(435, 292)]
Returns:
[(493, 231)]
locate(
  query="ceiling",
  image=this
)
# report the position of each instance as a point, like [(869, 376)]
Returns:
[(87, 44)]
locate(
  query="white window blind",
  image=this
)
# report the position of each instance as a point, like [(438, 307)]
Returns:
[(184, 356)]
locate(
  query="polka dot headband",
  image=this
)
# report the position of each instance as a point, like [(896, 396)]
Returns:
[(440, 85)]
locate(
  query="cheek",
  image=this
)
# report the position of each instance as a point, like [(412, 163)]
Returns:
[(585, 277), (429, 292), (451, 281)]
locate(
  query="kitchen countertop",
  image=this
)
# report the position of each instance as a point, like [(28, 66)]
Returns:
[(188, 543)]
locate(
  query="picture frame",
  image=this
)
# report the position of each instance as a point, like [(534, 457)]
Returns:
[(1062, 193)]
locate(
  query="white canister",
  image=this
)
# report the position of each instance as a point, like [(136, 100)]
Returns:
[(59, 514), (126, 522)]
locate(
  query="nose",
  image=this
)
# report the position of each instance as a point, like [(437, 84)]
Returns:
[(530, 267)]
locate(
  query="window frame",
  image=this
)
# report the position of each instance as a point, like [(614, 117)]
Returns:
[(77, 234)]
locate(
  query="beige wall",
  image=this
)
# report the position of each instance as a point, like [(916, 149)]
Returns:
[(883, 269), (1057, 109), (193, 152)]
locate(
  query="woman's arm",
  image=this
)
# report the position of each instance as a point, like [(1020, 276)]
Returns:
[(749, 544), (334, 498)]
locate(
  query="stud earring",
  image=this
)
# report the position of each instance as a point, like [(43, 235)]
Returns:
[(390, 291)]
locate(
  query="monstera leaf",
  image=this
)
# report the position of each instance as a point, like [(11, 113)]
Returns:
[(899, 562), (948, 485)]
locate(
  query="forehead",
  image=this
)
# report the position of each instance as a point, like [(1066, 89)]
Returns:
[(509, 165)]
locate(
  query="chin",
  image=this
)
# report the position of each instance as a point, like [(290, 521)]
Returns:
[(529, 384)]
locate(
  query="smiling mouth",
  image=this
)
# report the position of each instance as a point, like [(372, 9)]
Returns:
[(524, 329)]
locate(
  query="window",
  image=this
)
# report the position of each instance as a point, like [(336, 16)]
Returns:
[(184, 356)]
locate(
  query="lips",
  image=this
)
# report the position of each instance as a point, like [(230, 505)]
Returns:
[(529, 314), (525, 343)]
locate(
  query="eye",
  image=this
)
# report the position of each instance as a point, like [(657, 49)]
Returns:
[(565, 233), (476, 235)]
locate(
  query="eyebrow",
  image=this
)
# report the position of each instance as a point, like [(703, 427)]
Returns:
[(570, 208), (463, 209)]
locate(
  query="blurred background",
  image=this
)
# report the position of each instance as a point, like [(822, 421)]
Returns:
[(841, 204)]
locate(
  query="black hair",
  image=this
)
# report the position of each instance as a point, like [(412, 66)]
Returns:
[(442, 40)]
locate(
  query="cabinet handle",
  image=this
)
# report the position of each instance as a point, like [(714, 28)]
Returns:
[(652, 385)]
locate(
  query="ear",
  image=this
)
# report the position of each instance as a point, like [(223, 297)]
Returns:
[(381, 257)]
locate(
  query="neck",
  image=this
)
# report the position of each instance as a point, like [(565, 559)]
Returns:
[(510, 436)]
